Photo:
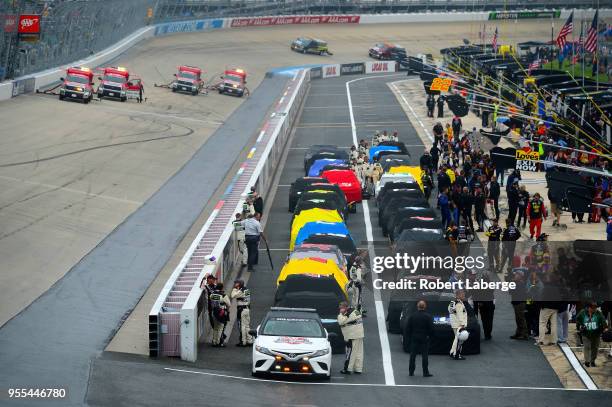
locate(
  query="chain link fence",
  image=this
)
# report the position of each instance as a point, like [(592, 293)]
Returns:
[(74, 29)]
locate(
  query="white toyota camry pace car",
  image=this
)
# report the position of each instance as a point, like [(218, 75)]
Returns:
[(292, 341)]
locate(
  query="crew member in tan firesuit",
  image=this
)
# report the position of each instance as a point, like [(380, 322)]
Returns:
[(242, 295), (220, 309), (240, 238), (351, 324)]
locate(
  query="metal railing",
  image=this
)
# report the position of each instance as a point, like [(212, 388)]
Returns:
[(74, 29)]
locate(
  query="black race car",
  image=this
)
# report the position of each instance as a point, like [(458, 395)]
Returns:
[(415, 222), (298, 186), (437, 307), (403, 213), (307, 45), (321, 148)]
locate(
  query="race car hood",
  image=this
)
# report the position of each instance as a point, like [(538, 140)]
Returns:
[(291, 343)]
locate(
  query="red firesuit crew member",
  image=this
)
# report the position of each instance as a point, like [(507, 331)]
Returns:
[(535, 211)]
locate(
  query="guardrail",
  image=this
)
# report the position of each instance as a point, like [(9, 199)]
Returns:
[(178, 318)]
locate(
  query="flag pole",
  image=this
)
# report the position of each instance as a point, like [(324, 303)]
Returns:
[(596, 61), (573, 64), (552, 40), (582, 45)]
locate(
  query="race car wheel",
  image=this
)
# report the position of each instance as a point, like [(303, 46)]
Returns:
[(86, 101), (174, 90)]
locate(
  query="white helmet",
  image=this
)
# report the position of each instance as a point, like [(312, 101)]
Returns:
[(463, 336)]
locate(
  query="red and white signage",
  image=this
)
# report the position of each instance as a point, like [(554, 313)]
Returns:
[(329, 71), (29, 24), (380, 66), (288, 20), (10, 23)]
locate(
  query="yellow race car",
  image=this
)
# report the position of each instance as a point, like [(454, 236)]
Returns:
[(314, 267), (312, 215)]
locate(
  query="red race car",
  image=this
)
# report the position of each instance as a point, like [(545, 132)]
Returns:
[(387, 51), (348, 183)]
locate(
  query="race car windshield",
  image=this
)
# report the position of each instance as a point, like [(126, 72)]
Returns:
[(301, 327), (77, 78), (114, 78)]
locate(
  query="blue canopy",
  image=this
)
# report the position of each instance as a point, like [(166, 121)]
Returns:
[(374, 151), (317, 165), (311, 228)]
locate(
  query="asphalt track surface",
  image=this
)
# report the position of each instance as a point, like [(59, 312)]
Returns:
[(506, 373)]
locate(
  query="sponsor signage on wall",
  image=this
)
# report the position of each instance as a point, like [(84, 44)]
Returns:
[(521, 15), (188, 26), (329, 71), (10, 23), (316, 73), (380, 66), (348, 69), (29, 24), (287, 20)]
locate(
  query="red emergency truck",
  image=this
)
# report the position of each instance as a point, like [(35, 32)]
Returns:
[(77, 85), (116, 83), (234, 82), (188, 79)]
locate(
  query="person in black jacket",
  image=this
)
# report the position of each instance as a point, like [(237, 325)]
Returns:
[(494, 192), (419, 330), (465, 207), (431, 104), (440, 103), (513, 200)]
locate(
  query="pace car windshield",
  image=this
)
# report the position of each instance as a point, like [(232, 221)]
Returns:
[(77, 78), (302, 327)]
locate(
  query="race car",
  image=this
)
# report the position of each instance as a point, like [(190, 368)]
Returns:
[(297, 188), (387, 51), (188, 79), (347, 181), (77, 85), (292, 341), (307, 45), (442, 339), (234, 82)]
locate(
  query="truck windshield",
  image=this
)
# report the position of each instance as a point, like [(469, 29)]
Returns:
[(77, 78), (233, 78), (188, 75), (114, 78)]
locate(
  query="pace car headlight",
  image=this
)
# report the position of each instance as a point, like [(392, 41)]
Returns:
[(318, 353), (263, 350)]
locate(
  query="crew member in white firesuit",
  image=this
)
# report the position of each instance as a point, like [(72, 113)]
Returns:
[(355, 284), (458, 320), (354, 155), (351, 324), (220, 309), (242, 295), (240, 237), (363, 147)]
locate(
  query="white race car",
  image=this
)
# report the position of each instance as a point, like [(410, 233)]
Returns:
[(292, 341)]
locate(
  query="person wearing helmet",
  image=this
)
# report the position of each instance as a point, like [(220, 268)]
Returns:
[(242, 295), (351, 324), (459, 320)]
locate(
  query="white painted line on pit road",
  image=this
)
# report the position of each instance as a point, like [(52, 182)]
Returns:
[(421, 386), (380, 312), (401, 95), (584, 376)]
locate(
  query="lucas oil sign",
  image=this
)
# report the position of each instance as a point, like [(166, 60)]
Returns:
[(527, 160), (380, 66)]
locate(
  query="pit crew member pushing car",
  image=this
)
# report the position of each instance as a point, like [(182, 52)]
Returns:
[(242, 295), (459, 320), (351, 323)]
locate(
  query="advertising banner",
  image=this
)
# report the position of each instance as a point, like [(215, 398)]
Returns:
[(10, 23), (441, 84), (188, 26), (521, 15), (287, 20), (527, 160), (352, 69), (316, 73), (29, 24), (380, 66), (329, 71)]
